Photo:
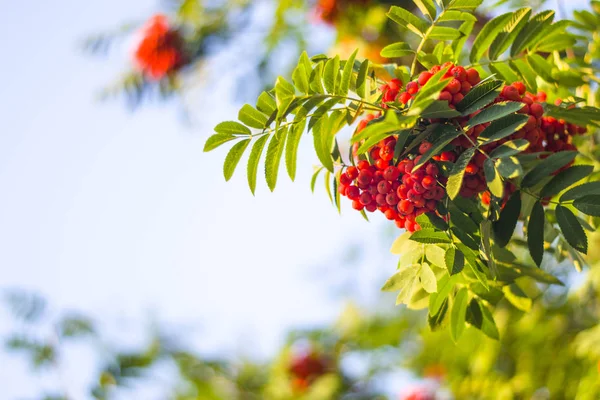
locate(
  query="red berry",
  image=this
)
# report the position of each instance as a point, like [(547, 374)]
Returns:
[(417, 187), (384, 187), (363, 164), (381, 164), (352, 172), (536, 110), (402, 191), (412, 87), (385, 153), (380, 199), (424, 147), (405, 207), (432, 169), (465, 87), (520, 86), (511, 93), (405, 98), (473, 76), (357, 205), (392, 199), (391, 173), (391, 214), (352, 192), (365, 176), (454, 86), (445, 95), (448, 156), (365, 198), (342, 189), (431, 205), (471, 169), (428, 182), (459, 73), (424, 77), (410, 226), (374, 153), (395, 84), (345, 179), (457, 98)]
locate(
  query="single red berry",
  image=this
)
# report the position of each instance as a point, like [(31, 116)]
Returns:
[(417, 187), (342, 189), (510, 93), (365, 198), (448, 156), (419, 203), (457, 98), (424, 77), (384, 187), (428, 182), (371, 207), (471, 169), (395, 84), (345, 179), (465, 87), (405, 207), (454, 86), (363, 165), (352, 192), (374, 153), (412, 87), (365, 176), (381, 164), (404, 97), (439, 193), (410, 226), (357, 205), (445, 95), (424, 147), (385, 153), (536, 110), (391, 173), (431, 205), (392, 199), (352, 172), (391, 214), (459, 73), (520, 86), (473, 76), (407, 180), (432, 169), (413, 196), (380, 199), (402, 191)]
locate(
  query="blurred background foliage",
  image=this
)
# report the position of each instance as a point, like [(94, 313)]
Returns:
[(549, 352)]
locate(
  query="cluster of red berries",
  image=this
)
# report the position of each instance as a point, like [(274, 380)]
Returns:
[(160, 49), (400, 194), (330, 10), (306, 368)]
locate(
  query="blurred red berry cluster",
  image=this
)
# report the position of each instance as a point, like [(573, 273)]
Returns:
[(305, 368), (330, 10), (160, 50)]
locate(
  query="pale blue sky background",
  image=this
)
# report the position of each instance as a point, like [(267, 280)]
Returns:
[(122, 216)]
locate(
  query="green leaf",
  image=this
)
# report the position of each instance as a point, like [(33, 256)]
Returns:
[(457, 173), (453, 15), (455, 260), (505, 38), (321, 112), (581, 116), (470, 5), (527, 74), (541, 67), (571, 229), (427, 7), (435, 255), (494, 112), (439, 109), (284, 95), (481, 318), (459, 44), (585, 189), (535, 233), (566, 178), (396, 50), (313, 180), (459, 314), (487, 35), (300, 79), (510, 148), (323, 142), (530, 33), (216, 140), (362, 81), (589, 205), (444, 33), (331, 75), (428, 279), (431, 220), (436, 321), (503, 127), (509, 167), (400, 279), (316, 83), (494, 181), (266, 103), (461, 220), (445, 134), (347, 74), (251, 117), (232, 128), (233, 158), (274, 153), (486, 242), (479, 97), (503, 70), (408, 20), (445, 286), (547, 166), (517, 297), (429, 236), (389, 124), (291, 147), (253, 161), (506, 224)]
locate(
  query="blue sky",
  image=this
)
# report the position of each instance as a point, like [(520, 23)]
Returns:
[(123, 216)]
